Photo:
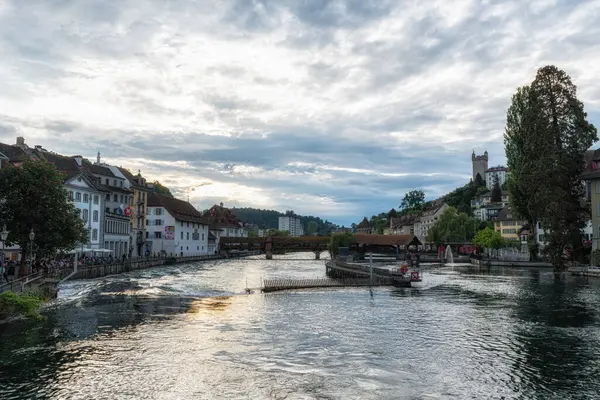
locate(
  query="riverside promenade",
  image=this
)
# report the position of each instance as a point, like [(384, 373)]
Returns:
[(50, 281)]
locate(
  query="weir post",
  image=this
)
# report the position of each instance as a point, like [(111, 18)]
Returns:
[(269, 248), (317, 254)]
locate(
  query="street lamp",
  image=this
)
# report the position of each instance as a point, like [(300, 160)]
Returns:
[(3, 237), (31, 237)]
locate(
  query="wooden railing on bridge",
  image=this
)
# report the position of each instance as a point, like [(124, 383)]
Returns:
[(276, 243)]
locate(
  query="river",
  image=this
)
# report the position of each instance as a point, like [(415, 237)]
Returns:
[(189, 332)]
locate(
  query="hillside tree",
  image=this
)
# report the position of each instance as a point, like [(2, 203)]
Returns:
[(496, 191), (412, 202)]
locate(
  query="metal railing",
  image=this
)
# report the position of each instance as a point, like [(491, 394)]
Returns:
[(18, 285)]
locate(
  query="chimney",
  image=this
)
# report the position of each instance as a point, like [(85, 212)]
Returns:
[(78, 160)]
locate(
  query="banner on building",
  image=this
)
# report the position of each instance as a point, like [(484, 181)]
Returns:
[(169, 233)]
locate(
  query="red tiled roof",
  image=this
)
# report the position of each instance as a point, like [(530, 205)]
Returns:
[(222, 217), (179, 209), (364, 224)]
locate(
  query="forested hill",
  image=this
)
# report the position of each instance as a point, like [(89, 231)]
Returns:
[(269, 219)]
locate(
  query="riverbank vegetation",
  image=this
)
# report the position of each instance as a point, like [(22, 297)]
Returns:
[(16, 304)]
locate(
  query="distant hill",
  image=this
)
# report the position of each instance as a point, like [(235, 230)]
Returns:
[(269, 219)]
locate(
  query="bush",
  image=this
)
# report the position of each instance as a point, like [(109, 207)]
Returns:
[(12, 304)]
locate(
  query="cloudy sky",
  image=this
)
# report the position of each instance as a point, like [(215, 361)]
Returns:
[(329, 108)]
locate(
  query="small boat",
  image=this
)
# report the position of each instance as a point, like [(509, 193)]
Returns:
[(402, 277)]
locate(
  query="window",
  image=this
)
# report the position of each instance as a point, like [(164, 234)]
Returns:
[(107, 181), (122, 199), (182, 225), (94, 234), (197, 247), (147, 234), (85, 198), (71, 196), (121, 183), (203, 236), (114, 182), (181, 235), (158, 222), (157, 235), (95, 216), (188, 224), (96, 199), (509, 231), (107, 197), (85, 215), (77, 196), (187, 236), (116, 198), (148, 222), (158, 211), (187, 247)]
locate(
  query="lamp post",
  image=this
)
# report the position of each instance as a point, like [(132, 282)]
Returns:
[(31, 237), (3, 237)]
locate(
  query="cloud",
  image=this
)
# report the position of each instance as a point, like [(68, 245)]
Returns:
[(329, 108)]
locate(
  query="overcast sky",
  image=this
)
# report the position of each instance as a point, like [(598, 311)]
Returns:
[(329, 108)]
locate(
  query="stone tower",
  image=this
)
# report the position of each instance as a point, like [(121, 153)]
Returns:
[(480, 164)]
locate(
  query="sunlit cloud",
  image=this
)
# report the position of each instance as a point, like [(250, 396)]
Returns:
[(329, 108)]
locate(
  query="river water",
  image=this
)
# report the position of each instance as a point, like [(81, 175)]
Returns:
[(189, 332)]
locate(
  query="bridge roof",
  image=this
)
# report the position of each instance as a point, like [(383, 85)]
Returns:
[(387, 240)]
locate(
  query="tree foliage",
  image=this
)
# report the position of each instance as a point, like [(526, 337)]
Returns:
[(453, 226), (488, 239), (311, 227), (339, 240), (461, 197), (161, 189), (496, 191), (33, 197), (412, 202), (546, 137)]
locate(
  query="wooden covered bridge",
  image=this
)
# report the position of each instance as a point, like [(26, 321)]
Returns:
[(317, 244)]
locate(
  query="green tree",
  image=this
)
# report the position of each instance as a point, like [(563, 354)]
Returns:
[(496, 191), (488, 239), (161, 189), (277, 232), (547, 134), (33, 197), (339, 240), (312, 227), (392, 213), (479, 182), (412, 202), (453, 226)]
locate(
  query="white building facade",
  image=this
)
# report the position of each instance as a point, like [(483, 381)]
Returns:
[(175, 228), (291, 224), (491, 173), (90, 202)]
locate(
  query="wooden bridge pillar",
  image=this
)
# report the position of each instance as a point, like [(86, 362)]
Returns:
[(269, 248), (317, 254)]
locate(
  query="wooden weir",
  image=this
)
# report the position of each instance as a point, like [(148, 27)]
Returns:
[(274, 285), (342, 274)]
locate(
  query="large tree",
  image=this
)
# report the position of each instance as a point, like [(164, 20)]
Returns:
[(496, 196), (412, 202), (33, 197), (488, 238), (453, 226), (546, 137)]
